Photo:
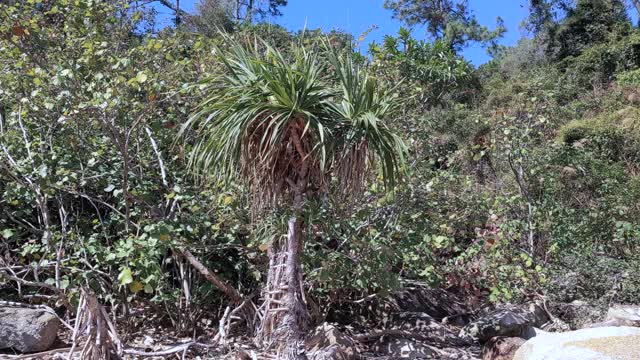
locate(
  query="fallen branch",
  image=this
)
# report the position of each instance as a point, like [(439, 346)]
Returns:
[(40, 355), (221, 284), (226, 325), (222, 331), (173, 350)]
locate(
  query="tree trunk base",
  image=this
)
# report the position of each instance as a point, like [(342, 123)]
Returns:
[(284, 313)]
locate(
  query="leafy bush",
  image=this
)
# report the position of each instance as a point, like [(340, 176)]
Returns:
[(615, 135), (631, 77), (87, 143), (525, 148), (527, 54), (598, 64)]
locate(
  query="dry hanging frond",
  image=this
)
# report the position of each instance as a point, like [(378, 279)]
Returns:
[(364, 139), (94, 327)]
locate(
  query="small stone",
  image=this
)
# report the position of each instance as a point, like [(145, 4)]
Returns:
[(621, 315), (501, 348)]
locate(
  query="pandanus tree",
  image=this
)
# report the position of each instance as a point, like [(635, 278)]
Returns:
[(292, 128)]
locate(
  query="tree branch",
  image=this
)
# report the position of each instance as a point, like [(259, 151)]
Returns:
[(221, 284)]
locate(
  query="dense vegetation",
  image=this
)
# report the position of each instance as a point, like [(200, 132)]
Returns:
[(517, 177)]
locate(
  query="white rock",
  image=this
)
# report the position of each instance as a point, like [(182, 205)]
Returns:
[(605, 343), (628, 315)]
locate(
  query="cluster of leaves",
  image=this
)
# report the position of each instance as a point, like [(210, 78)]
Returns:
[(92, 180), (588, 23), (563, 154), (506, 190), (214, 15)]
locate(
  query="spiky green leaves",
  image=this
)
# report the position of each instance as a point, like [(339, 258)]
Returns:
[(360, 123), (285, 128)]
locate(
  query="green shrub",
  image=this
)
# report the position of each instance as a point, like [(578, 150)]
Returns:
[(631, 77), (599, 64), (615, 135)]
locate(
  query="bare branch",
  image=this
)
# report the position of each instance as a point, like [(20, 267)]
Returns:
[(221, 284), (158, 155)]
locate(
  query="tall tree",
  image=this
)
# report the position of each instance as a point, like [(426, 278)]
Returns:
[(239, 10), (250, 10), (545, 14), (291, 136), (589, 23), (211, 16), (449, 20)]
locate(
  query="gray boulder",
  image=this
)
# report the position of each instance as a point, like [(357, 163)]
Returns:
[(621, 315), (27, 330), (508, 322)]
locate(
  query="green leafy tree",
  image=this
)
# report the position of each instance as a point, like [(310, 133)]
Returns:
[(589, 23), (250, 10), (211, 16), (544, 15), (83, 178), (449, 20), (292, 136), (432, 71)]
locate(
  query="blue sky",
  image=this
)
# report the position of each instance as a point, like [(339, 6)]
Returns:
[(356, 16)]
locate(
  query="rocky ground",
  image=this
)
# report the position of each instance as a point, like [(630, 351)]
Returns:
[(416, 323)]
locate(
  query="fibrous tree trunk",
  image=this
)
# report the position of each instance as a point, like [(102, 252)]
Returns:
[(284, 313), (285, 316), (295, 320), (95, 328), (273, 294), (284, 321)]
